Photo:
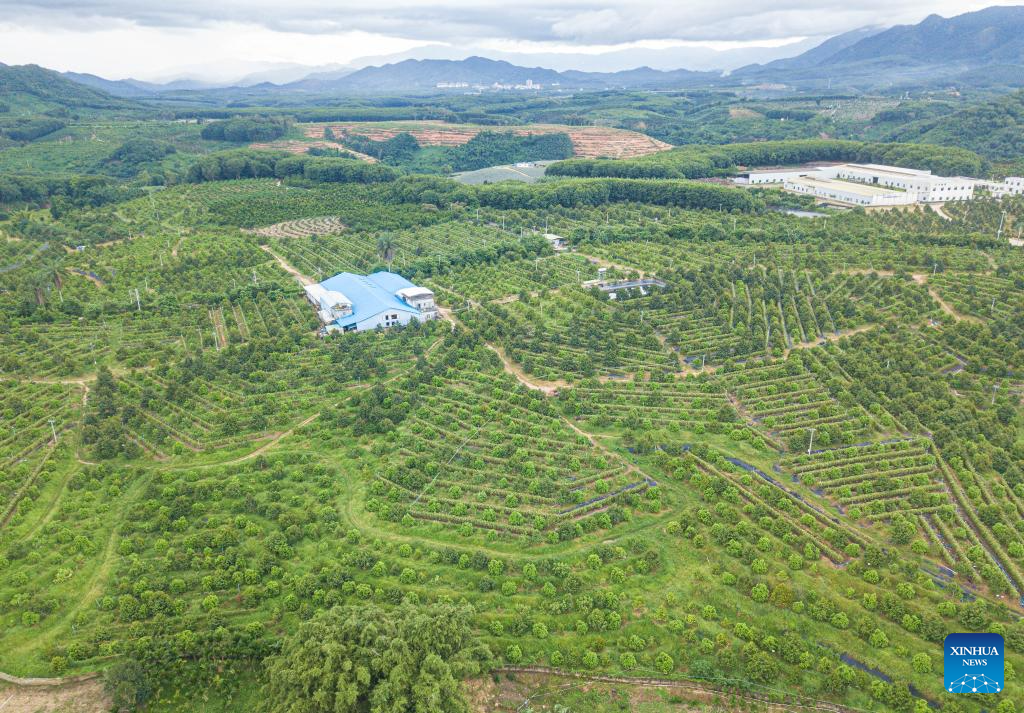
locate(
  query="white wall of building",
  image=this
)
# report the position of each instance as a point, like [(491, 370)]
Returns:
[(385, 319), (834, 190)]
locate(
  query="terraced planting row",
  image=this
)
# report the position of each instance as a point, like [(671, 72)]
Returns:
[(431, 247), (984, 296), (572, 332), (30, 415), (479, 454), (224, 398), (689, 404), (510, 278), (787, 400), (874, 479)]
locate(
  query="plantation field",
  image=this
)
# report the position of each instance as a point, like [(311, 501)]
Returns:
[(784, 460)]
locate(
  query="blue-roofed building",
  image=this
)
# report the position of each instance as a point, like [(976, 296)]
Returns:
[(355, 303)]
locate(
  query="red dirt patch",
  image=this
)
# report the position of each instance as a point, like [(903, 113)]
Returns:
[(587, 141)]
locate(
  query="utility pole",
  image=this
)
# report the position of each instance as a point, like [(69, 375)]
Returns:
[(995, 387), (53, 431), (810, 443), (1002, 219), (138, 302)]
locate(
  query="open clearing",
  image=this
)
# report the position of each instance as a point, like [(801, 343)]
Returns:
[(77, 697), (587, 141)]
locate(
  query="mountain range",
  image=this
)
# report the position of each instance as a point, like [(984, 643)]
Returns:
[(937, 49), (983, 48)]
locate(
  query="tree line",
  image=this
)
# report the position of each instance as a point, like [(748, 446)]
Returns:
[(700, 161), (245, 129)]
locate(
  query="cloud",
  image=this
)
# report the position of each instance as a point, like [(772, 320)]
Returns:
[(583, 21), (139, 37)]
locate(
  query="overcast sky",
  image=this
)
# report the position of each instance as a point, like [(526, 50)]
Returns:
[(147, 39)]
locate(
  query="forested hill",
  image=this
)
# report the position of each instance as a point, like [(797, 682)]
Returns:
[(993, 129), (948, 50), (41, 88), (993, 35)]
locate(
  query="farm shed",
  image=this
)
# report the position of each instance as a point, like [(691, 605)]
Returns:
[(350, 303)]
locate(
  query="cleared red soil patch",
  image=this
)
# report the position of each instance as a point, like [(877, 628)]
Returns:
[(295, 146), (587, 141)]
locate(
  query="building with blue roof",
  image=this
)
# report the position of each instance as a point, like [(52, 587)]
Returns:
[(356, 303)]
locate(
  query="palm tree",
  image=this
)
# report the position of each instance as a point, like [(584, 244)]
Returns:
[(386, 248)]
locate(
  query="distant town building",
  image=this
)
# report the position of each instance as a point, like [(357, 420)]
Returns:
[(351, 303)]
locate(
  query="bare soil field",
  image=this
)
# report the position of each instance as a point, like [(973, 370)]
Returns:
[(543, 691), (587, 141), (297, 146), (81, 697)]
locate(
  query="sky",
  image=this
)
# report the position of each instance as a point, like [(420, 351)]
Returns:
[(221, 39)]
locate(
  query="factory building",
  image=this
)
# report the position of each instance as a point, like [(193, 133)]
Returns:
[(848, 192), (924, 186), (872, 184)]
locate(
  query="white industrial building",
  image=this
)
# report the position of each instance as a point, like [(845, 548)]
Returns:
[(1011, 186), (924, 186), (872, 184), (770, 176), (848, 192)]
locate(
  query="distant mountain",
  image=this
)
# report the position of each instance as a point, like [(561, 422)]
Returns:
[(936, 50), (825, 50), (414, 75), (994, 35), (696, 58), (45, 87), (125, 88)]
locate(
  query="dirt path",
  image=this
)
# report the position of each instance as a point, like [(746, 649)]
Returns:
[(271, 443), (922, 279), (937, 208), (830, 337), (91, 278), (90, 591), (526, 684), (303, 279), (51, 509), (550, 388), (594, 442)]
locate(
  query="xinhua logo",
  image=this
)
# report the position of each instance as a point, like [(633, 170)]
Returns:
[(973, 663)]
